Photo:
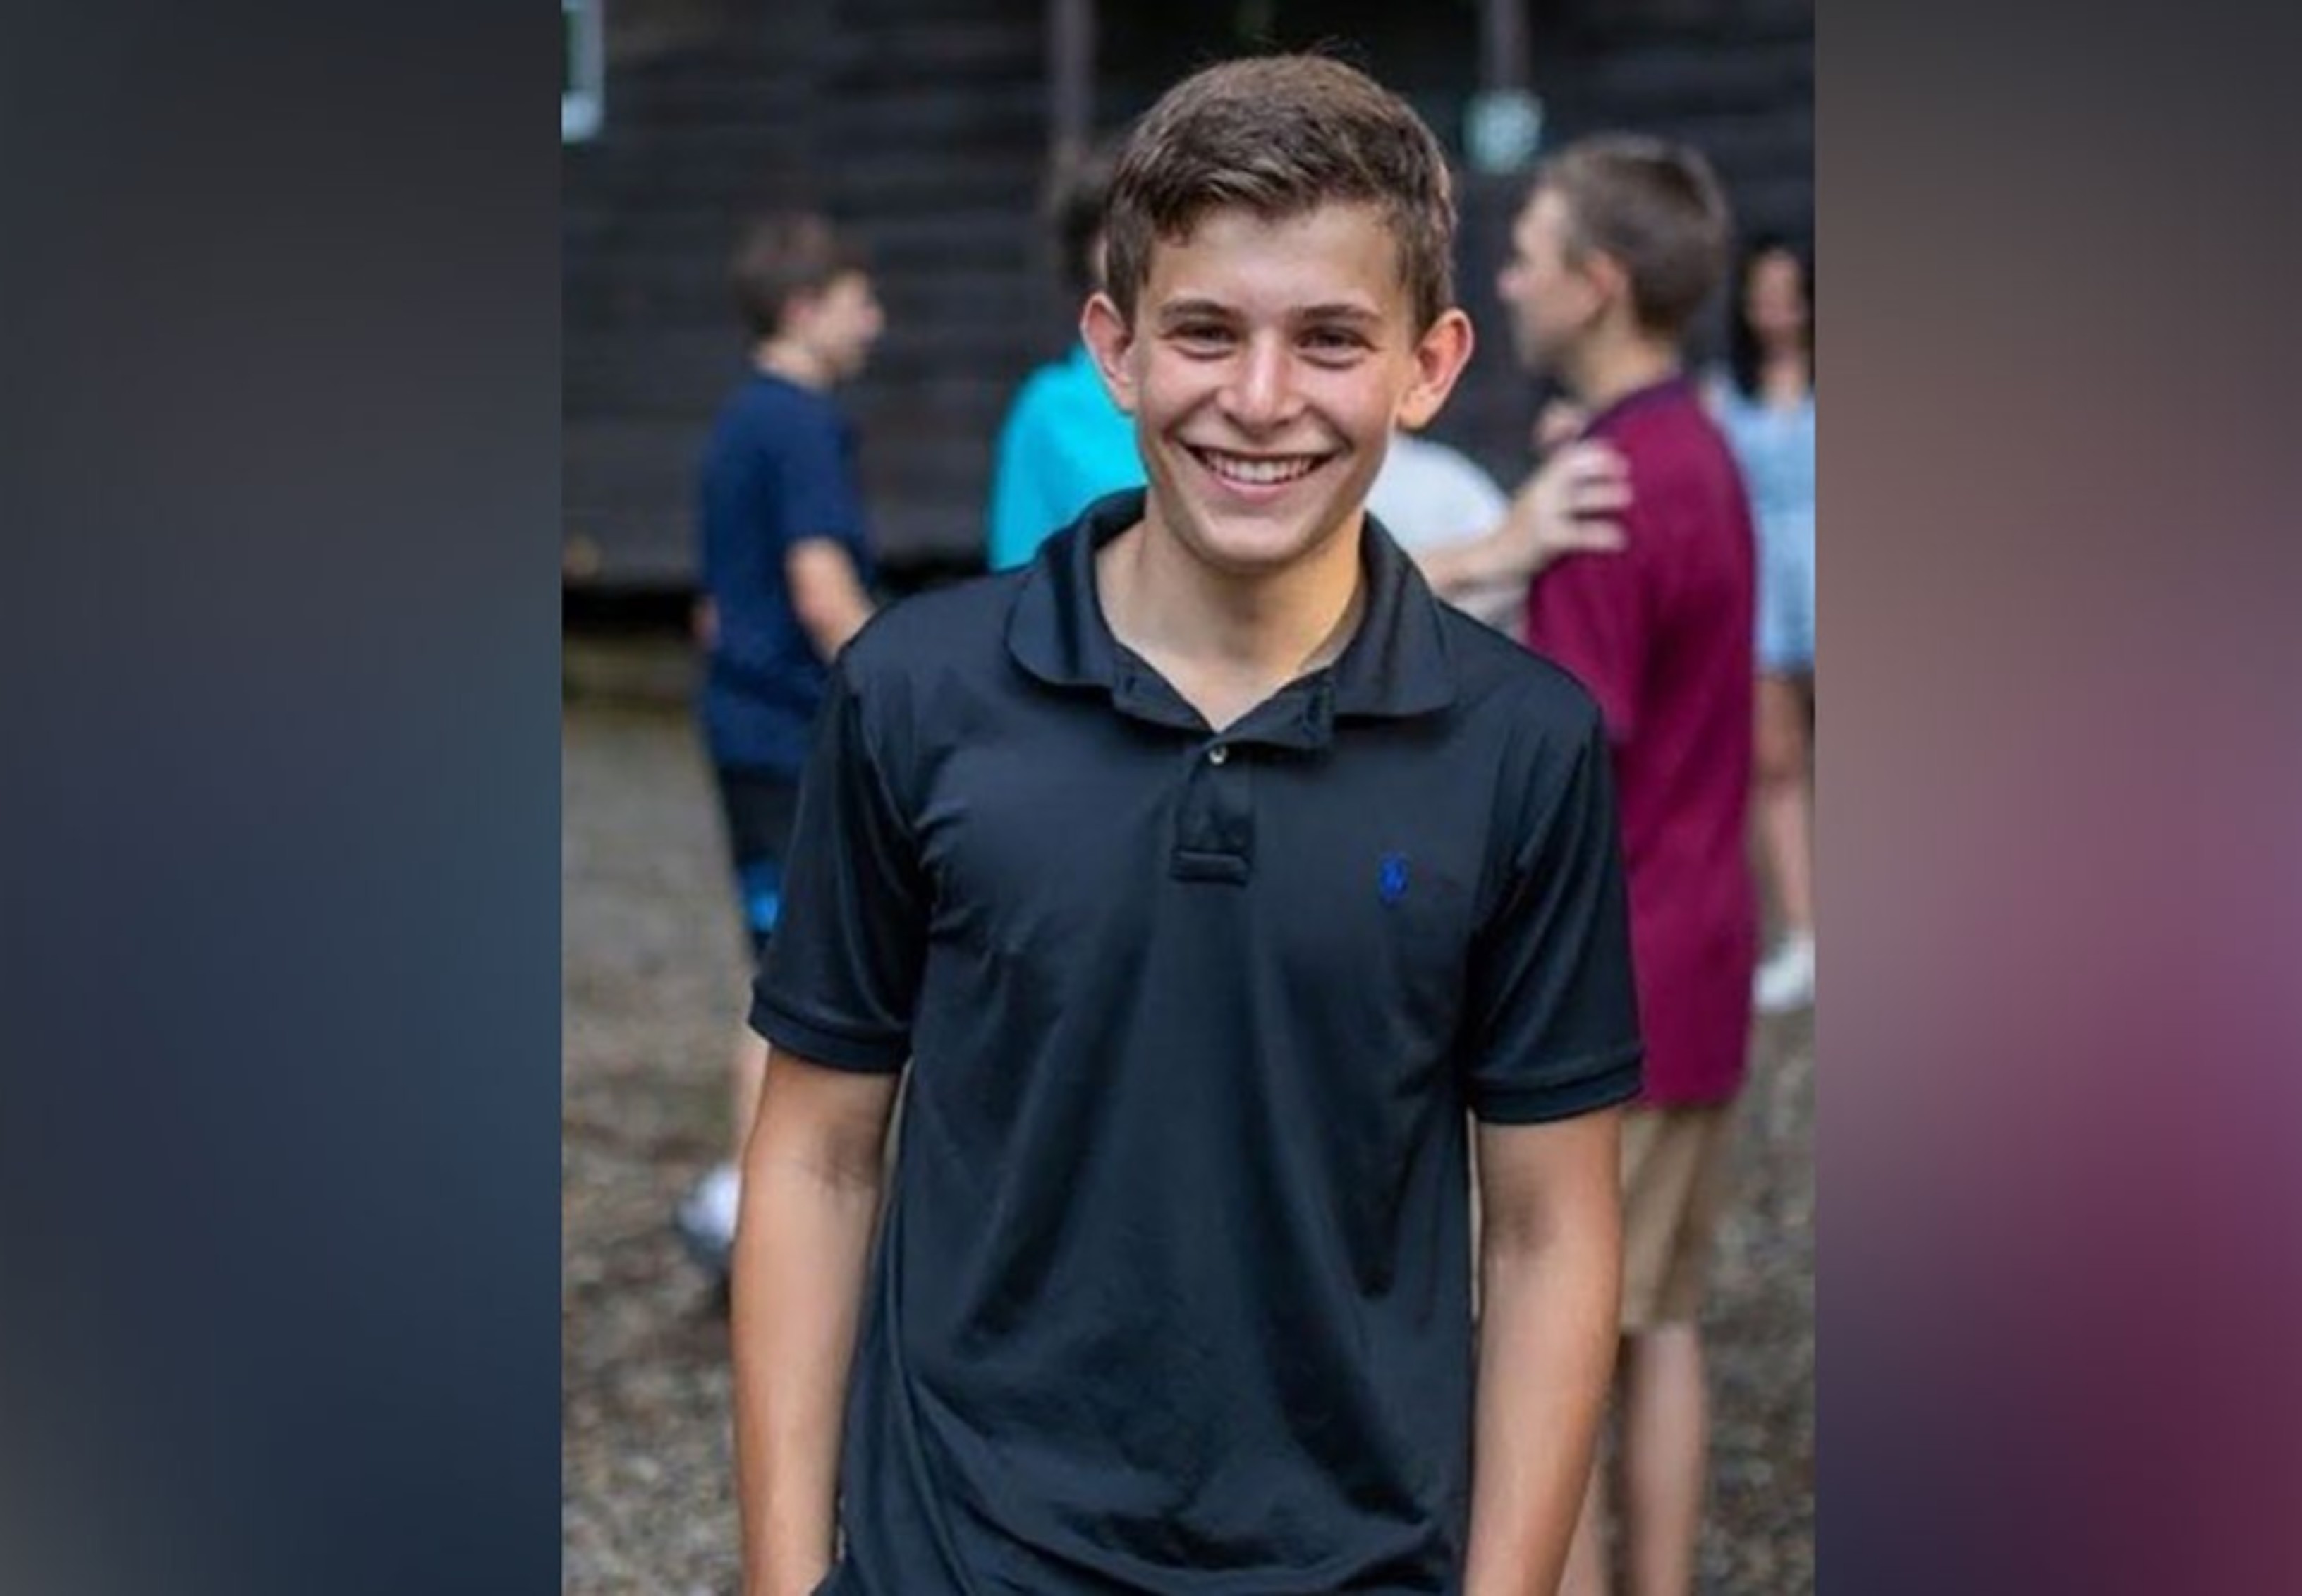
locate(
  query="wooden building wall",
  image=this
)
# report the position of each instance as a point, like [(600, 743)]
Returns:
[(923, 124)]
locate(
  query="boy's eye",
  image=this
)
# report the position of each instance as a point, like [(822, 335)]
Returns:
[(1333, 340), (1201, 332)]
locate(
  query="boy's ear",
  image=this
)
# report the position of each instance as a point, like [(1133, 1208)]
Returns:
[(1611, 278), (804, 303), (1440, 355), (799, 312), (1109, 341)]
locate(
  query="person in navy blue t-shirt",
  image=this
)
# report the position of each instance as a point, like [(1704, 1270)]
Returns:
[(786, 569)]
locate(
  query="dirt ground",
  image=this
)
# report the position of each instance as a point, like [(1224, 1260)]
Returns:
[(653, 981)]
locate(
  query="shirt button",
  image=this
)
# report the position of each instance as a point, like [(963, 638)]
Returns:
[(1218, 753)]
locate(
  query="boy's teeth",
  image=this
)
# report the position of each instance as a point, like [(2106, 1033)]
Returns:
[(1261, 473)]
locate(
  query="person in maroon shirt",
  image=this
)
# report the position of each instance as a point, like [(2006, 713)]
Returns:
[(1620, 243)]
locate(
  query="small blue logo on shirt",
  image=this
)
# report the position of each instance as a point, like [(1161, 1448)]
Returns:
[(762, 881), (1391, 879)]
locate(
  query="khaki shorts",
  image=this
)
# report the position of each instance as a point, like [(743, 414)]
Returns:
[(1676, 1165)]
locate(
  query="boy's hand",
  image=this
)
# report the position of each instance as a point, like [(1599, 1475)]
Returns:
[(1570, 505)]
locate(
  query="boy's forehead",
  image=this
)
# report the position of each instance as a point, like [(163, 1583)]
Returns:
[(1334, 251)]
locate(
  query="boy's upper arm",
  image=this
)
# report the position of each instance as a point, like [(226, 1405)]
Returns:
[(830, 1121), (1533, 1177), (797, 484), (823, 582)]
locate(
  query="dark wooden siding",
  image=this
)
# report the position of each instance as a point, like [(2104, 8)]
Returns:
[(937, 124), (711, 107), (922, 124)]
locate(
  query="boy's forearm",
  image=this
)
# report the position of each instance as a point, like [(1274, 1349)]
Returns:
[(1547, 1343), (830, 626), (800, 1261), (827, 593)]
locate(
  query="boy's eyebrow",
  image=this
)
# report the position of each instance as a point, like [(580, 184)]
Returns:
[(1177, 310), (1180, 310)]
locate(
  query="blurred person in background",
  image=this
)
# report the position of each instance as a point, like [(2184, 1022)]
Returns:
[(1569, 505), (1765, 401), (785, 568), (1063, 443), (1619, 245), (1428, 495)]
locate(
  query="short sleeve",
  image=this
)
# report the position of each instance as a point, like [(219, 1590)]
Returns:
[(1552, 1016), (816, 481), (842, 973)]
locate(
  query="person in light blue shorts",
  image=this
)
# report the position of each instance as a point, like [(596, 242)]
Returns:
[(1764, 402)]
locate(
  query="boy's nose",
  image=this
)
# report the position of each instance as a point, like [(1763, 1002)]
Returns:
[(1261, 388)]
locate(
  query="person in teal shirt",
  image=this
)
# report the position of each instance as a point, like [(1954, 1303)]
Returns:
[(1063, 443)]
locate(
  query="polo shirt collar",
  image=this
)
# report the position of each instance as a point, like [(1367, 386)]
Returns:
[(1396, 665)]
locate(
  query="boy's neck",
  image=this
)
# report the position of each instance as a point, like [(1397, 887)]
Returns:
[(1619, 361), (793, 361), (1228, 642)]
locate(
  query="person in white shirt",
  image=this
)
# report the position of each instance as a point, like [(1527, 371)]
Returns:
[(1428, 495)]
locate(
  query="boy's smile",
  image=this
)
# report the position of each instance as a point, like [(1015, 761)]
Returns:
[(1258, 470)]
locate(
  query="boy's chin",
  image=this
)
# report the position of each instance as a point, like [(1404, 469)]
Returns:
[(1253, 545)]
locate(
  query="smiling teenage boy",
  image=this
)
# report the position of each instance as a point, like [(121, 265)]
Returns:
[(1203, 873)]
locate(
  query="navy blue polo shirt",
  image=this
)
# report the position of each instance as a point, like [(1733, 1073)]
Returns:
[(1173, 1291), (779, 469)]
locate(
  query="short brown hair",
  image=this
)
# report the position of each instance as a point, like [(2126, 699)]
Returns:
[(782, 256), (1655, 207), (1074, 210), (1280, 136)]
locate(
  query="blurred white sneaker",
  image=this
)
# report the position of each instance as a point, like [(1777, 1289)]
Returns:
[(706, 1217), (1785, 981)]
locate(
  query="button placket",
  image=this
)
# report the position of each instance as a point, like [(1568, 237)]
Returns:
[(1214, 824)]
